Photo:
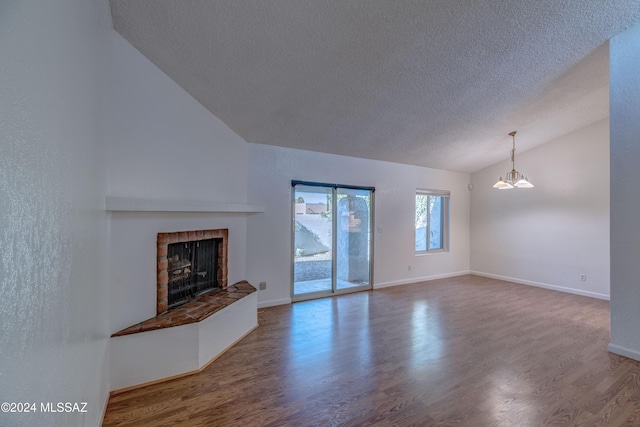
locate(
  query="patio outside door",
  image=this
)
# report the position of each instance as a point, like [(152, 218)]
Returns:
[(332, 239)]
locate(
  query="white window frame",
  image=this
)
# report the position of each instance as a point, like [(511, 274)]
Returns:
[(446, 195)]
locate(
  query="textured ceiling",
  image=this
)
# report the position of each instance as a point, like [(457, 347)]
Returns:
[(437, 83)]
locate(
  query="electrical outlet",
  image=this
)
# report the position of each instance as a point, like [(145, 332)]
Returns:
[(583, 277), (409, 268), (263, 286)]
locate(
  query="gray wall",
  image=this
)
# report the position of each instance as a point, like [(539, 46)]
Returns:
[(625, 193), (549, 235), (54, 71)]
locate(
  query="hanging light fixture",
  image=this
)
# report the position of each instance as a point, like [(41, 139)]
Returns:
[(513, 178)]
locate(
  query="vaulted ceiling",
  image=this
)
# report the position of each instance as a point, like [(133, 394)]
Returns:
[(437, 83)]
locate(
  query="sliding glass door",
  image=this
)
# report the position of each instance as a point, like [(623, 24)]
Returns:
[(332, 239)]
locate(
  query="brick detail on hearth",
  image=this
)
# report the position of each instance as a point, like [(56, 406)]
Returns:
[(164, 239)]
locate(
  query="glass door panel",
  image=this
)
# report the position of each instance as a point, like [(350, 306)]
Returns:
[(332, 239), (313, 239), (353, 238)]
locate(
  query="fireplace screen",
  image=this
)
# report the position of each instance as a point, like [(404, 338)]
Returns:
[(192, 269)]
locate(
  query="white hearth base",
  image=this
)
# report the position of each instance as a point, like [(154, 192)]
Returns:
[(153, 356)]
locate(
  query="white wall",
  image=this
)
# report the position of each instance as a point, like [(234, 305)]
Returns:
[(549, 235), (54, 72), (625, 192), (165, 146), (271, 170)]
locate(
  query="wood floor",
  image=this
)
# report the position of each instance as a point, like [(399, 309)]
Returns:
[(466, 351)]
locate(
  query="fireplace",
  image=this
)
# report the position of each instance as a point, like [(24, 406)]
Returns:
[(192, 268), (190, 264)]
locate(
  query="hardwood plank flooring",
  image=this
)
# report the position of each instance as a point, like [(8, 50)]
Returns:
[(465, 351)]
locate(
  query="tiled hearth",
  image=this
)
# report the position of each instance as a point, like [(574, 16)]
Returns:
[(194, 311)]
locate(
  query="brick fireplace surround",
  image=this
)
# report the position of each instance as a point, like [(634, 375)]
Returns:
[(165, 239), (197, 309)]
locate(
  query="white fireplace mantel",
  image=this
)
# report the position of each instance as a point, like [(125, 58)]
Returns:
[(131, 204)]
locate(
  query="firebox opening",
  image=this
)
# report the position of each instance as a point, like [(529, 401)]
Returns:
[(192, 269)]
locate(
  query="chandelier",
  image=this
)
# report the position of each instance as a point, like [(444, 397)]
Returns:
[(513, 178)]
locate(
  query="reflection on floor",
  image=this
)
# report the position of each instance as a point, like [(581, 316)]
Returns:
[(463, 351), (307, 286)]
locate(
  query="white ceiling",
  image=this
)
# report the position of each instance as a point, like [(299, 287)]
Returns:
[(437, 83)]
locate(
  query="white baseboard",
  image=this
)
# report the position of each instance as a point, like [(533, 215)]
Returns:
[(274, 302), (418, 279), (271, 303), (623, 351), (543, 285)]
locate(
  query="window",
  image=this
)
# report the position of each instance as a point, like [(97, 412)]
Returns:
[(432, 221)]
